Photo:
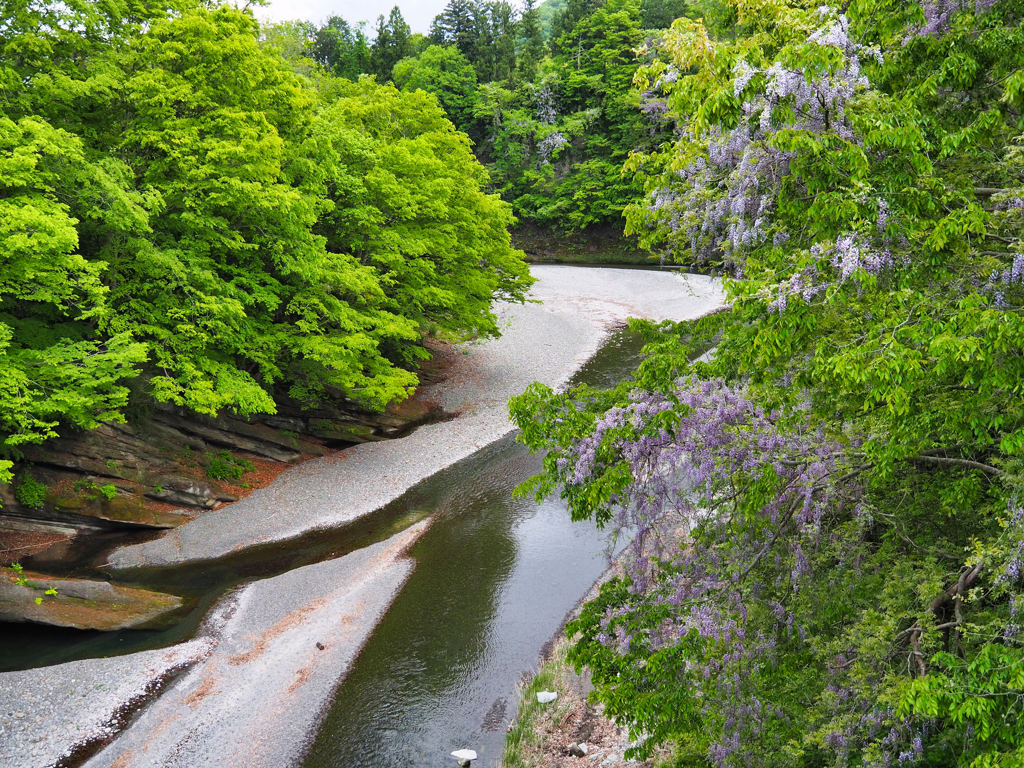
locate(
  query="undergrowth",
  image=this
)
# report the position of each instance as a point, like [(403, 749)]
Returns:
[(523, 745)]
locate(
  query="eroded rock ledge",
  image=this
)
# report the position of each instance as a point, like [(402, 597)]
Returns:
[(133, 475), (82, 604)]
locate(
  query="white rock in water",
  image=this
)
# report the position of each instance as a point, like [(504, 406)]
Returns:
[(543, 697), (464, 754)]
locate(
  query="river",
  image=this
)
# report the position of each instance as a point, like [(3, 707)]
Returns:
[(495, 576), (430, 640)]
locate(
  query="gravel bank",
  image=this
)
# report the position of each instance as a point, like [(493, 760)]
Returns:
[(46, 713), (257, 699), (540, 342)]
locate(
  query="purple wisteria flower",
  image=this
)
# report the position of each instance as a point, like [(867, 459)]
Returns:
[(687, 451), (938, 13), (721, 204)]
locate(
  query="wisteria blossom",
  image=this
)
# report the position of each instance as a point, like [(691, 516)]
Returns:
[(722, 203), (550, 144), (544, 99), (685, 477), (938, 14)]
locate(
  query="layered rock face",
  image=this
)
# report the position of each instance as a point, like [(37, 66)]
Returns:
[(110, 476)]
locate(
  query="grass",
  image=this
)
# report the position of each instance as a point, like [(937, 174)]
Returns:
[(523, 744)]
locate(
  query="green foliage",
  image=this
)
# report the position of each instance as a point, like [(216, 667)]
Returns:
[(981, 701), (904, 637), (545, 94), (178, 200), (447, 74), (407, 198), (341, 48), (223, 466), (557, 145), (30, 492), (392, 43)]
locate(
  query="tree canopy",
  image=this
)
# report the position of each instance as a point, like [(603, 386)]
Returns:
[(544, 92), (181, 207), (828, 526)]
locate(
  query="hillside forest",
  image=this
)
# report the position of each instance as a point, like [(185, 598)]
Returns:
[(822, 482)]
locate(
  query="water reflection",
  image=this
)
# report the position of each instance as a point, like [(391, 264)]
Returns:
[(494, 578)]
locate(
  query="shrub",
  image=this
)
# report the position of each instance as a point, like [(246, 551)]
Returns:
[(30, 492), (223, 466)]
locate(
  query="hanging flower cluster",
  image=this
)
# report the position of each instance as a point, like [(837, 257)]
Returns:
[(690, 454), (720, 205), (938, 14)]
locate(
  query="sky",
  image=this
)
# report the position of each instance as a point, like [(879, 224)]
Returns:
[(418, 13)]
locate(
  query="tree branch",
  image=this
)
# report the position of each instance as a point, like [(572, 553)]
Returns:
[(915, 644), (967, 578), (958, 462), (767, 547)]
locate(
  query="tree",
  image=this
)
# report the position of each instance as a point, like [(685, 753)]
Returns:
[(844, 471), (294, 42), (565, 21), (532, 46), (392, 43), (659, 14), (342, 49), (408, 203), (54, 366), (445, 73), (168, 196), (457, 25), (496, 46)]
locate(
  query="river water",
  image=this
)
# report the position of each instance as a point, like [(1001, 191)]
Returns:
[(494, 577)]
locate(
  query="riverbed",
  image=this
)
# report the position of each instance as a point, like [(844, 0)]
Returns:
[(273, 650)]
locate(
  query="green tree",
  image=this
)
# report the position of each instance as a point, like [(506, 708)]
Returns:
[(547, 14), (565, 20), (659, 14), (444, 72), (236, 291), (844, 471), (408, 202), (54, 365), (457, 25), (496, 47), (532, 45), (392, 43), (341, 48), (175, 203)]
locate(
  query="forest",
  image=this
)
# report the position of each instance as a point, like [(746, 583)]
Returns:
[(822, 482), (185, 219)]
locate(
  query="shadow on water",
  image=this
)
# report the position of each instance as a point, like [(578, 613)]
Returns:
[(23, 646), (473, 495), (495, 576)]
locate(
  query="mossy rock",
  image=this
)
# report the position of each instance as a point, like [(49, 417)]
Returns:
[(83, 604)]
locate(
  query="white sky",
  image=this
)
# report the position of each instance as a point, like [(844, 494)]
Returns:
[(418, 13)]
